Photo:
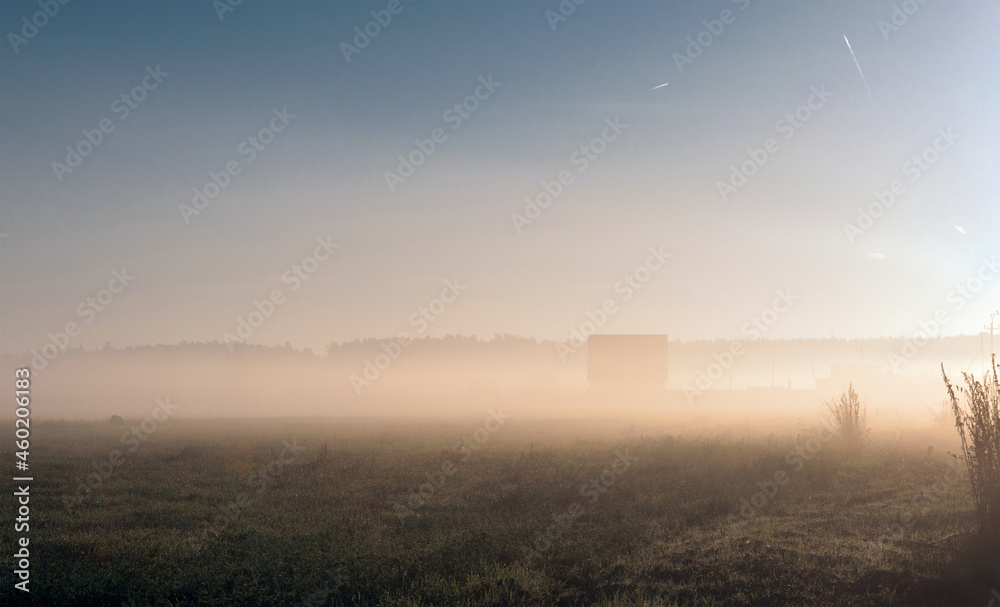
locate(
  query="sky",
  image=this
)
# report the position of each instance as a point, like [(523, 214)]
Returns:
[(313, 118)]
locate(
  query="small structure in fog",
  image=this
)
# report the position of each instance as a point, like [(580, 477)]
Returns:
[(627, 363), (841, 376), (116, 420)]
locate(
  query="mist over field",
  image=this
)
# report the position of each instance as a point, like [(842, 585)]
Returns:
[(552, 302), (456, 376)]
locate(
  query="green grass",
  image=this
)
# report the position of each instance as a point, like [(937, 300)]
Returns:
[(661, 533)]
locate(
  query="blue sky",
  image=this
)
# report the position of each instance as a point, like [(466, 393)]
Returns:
[(654, 185)]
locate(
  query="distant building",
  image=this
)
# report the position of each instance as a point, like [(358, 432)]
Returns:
[(627, 363), (841, 376), (872, 383)]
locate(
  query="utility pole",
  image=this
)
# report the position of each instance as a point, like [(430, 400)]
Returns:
[(993, 317)]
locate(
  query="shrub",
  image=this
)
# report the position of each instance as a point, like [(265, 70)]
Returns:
[(849, 418), (978, 425)]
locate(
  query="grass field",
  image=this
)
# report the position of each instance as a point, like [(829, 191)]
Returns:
[(243, 513)]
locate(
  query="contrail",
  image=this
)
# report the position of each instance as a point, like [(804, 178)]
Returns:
[(659, 87), (863, 79)]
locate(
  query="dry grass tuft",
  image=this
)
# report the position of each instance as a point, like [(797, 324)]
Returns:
[(978, 425), (849, 418)]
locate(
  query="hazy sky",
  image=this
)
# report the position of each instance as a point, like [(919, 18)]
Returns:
[(653, 183)]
